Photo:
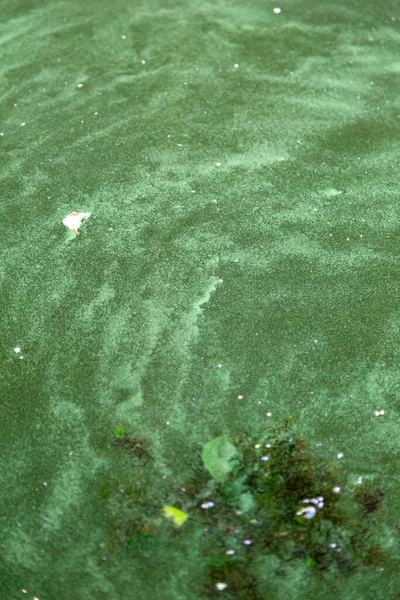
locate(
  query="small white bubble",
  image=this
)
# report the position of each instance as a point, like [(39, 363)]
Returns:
[(240, 397), (277, 10), (333, 545), (123, 37), (80, 85), (45, 483), (359, 480), (336, 489), (247, 542), (17, 350), (315, 341), (23, 124), (340, 455), (265, 458), (167, 423), (221, 586), (257, 445), (269, 414), (230, 552), (143, 62), (207, 505), (220, 366), (236, 66), (218, 164)]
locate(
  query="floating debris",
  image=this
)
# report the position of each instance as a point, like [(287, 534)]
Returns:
[(74, 220), (221, 586)]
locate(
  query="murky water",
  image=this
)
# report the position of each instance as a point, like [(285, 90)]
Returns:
[(240, 264)]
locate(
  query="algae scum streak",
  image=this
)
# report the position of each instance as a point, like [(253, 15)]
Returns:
[(199, 295)]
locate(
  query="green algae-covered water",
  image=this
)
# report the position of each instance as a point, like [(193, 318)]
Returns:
[(240, 264)]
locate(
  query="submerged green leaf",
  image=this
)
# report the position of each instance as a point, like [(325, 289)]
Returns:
[(220, 457)]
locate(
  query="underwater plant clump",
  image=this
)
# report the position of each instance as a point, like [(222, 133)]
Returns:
[(265, 505)]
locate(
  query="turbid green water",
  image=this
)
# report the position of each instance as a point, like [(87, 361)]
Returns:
[(273, 276)]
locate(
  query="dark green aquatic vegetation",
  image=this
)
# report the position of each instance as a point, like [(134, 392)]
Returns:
[(370, 499), (270, 503)]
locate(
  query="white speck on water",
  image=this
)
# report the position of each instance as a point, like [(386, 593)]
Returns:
[(167, 423), (359, 480), (143, 62), (230, 552), (308, 512), (1, 133), (336, 490), (269, 414), (23, 124), (96, 113), (277, 10), (247, 542), (185, 83), (333, 545), (80, 85), (17, 350), (340, 455), (268, 445), (221, 586), (193, 191), (379, 413), (219, 366), (221, 280), (257, 445), (207, 505), (240, 397), (123, 37), (265, 458), (235, 66), (218, 164), (45, 483), (315, 341), (24, 591)]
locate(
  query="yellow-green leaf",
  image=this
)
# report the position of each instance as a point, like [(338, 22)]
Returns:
[(178, 516)]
